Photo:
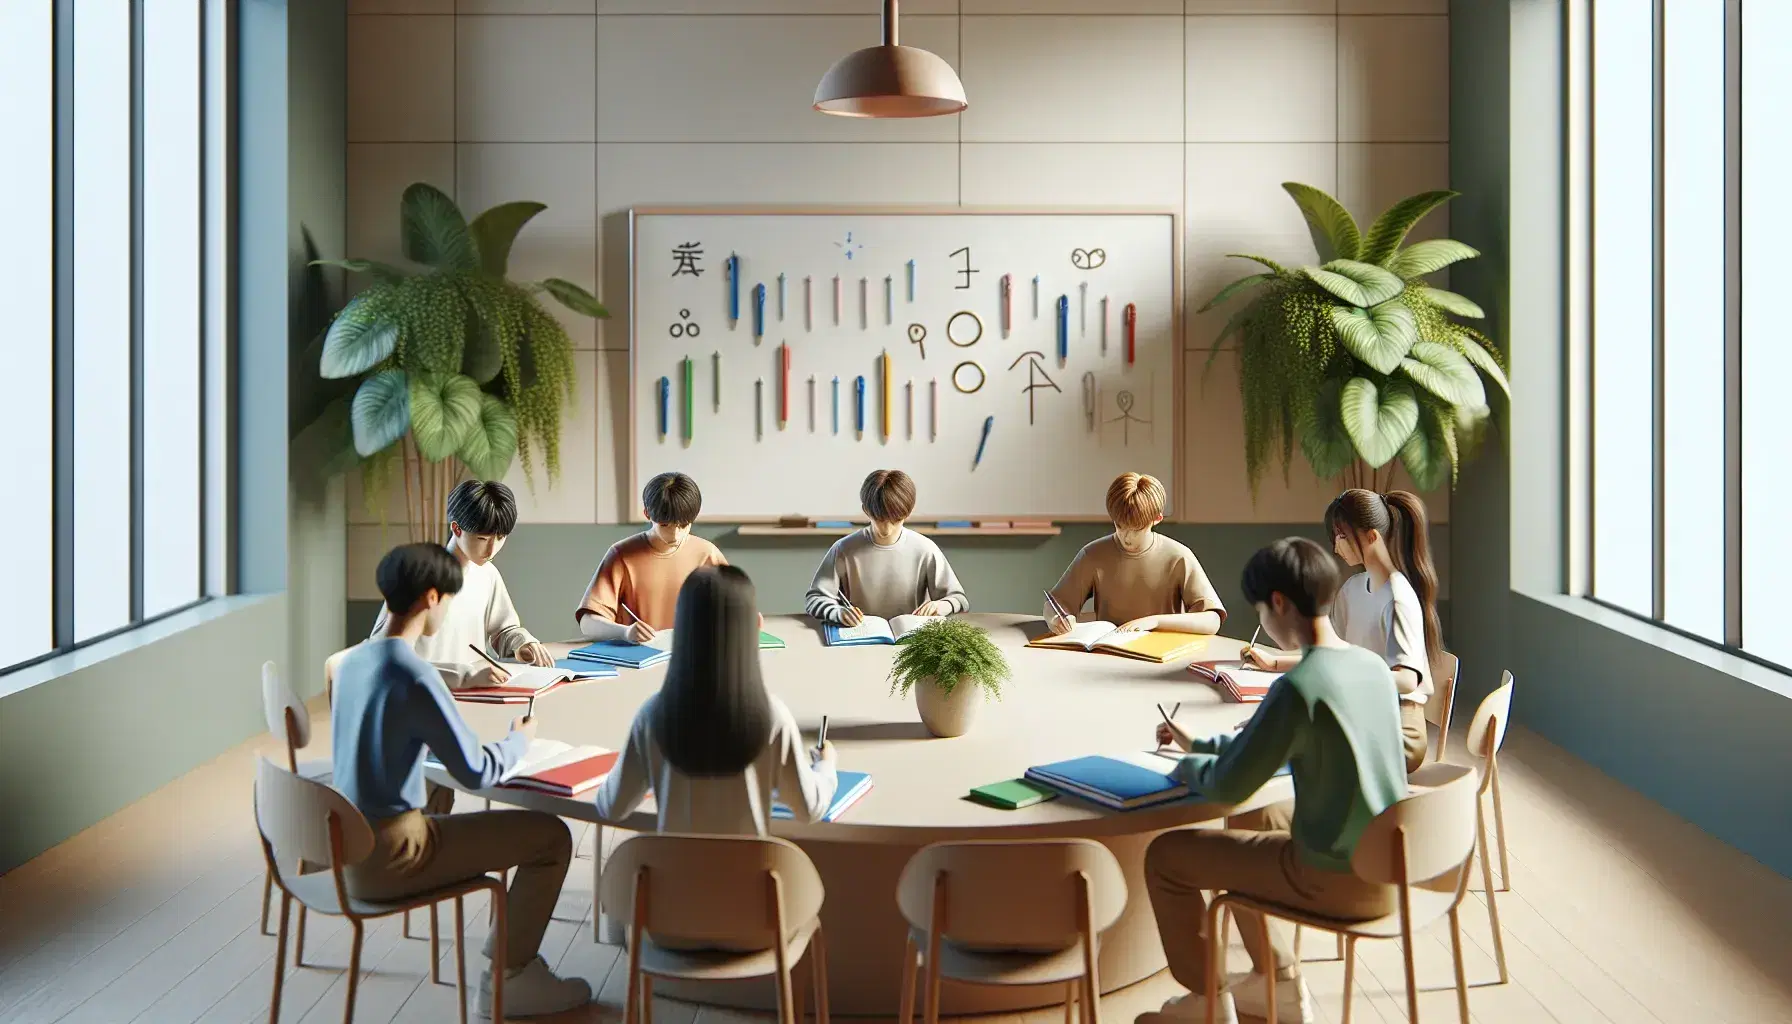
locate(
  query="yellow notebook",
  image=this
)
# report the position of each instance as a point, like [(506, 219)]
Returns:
[(1158, 645)]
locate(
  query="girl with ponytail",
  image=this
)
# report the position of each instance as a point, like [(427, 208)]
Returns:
[(1391, 606)]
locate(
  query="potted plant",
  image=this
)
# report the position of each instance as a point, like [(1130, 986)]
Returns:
[(949, 663), (449, 368), (1360, 359)]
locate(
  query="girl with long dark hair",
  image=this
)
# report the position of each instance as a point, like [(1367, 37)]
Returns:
[(713, 744), (1391, 606)]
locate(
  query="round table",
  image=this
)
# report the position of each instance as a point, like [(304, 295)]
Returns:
[(1058, 705)]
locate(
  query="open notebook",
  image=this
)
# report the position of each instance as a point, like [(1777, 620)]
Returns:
[(873, 630), (529, 681), (851, 789), (632, 655), (1104, 637), (1237, 682)]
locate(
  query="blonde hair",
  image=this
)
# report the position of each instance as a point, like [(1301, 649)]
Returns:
[(1136, 501)]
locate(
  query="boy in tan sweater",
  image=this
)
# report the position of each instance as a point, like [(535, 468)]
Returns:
[(634, 592), (1138, 579)]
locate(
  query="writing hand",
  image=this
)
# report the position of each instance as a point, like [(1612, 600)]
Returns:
[(524, 725), (641, 632), (1257, 657), (488, 675), (535, 654), (852, 616), (1167, 737), (826, 753), (1060, 624)]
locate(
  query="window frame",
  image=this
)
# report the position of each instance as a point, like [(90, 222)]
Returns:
[(213, 119), (1580, 441)]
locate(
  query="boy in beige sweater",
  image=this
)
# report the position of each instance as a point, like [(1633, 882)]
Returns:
[(1138, 579)]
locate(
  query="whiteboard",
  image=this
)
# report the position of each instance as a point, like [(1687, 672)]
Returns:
[(927, 289)]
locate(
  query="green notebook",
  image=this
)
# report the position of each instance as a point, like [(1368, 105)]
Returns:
[(1012, 795), (768, 642)]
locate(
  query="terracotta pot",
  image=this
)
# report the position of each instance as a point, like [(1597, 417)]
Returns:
[(948, 715)]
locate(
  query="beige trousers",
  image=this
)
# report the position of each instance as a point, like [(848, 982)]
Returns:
[(421, 850), (1255, 856), (1413, 736)]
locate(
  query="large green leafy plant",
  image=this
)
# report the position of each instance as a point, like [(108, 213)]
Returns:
[(1360, 360), (449, 368)]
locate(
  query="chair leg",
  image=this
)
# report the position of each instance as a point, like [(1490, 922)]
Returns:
[(500, 954), (267, 899), (802, 978), (460, 954), (1072, 996), (1461, 974), (298, 953), (1216, 959), (1269, 976), (1339, 937), (631, 1000), (1349, 974), (1493, 906), (909, 955), (354, 972), (279, 959), (1499, 820), (435, 945), (407, 925), (1412, 974), (818, 948), (786, 997), (930, 982), (646, 999), (1091, 1001)]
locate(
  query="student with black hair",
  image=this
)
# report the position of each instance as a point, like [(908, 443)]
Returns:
[(388, 706), (713, 744), (1332, 719), (481, 516), (635, 591)]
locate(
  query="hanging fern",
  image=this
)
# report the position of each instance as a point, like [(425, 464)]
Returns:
[(1360, 360), (447, 343)]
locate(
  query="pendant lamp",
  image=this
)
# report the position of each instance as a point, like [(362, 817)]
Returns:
[(890, 81)]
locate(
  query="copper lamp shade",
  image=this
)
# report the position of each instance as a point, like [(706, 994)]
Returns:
[(890, 81)]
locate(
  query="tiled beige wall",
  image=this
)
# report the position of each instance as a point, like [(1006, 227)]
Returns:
[(594, 106)]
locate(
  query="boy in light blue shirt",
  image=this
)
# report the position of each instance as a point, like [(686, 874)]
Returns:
[(388, 706)]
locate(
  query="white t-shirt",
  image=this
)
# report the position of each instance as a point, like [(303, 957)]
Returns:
[(1389, 622), (729, 805), (480, 615)]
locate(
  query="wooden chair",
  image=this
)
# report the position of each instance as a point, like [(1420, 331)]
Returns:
[(1443, 700), (309, 834), (1042, 903), (1425, 838), (1486, 734), (287, 718), (717, 908)]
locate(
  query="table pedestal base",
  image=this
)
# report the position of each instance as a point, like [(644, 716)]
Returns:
[(865, 936)]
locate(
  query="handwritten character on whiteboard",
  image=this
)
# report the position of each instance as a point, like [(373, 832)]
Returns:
[(687, 257)]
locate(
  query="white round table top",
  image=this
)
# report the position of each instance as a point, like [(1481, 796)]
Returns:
[(1058, 705)]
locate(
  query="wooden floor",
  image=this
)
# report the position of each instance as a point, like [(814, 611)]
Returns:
[(1618, 913)]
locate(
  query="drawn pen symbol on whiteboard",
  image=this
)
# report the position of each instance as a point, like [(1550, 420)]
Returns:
[(917, 335)]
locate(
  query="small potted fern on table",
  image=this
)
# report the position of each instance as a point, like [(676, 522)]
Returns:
[(949, 664)]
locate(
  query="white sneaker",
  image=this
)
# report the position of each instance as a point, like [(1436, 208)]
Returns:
[(534, 991), (1191, 1008), (1294, 1004)]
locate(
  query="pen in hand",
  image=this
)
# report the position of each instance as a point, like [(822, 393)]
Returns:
[(500, 675), (821, 741)]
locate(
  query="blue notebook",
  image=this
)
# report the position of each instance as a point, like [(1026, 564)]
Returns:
[(584, 669), (1111, 782), (852, 786), (620, 653)]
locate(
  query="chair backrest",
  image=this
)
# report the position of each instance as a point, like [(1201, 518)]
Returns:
[(1438, 825), (1494, 713), (277, 699), (293, 814), (1444, 670), (1013, 894), (712, 889)]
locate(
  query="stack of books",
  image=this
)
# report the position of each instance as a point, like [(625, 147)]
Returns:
[(1237, 682), (1122, 783), (852, 787), (555, 768)]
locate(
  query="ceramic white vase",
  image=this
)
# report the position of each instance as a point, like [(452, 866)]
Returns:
[(947, 715)]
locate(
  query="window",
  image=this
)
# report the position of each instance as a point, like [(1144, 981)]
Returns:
[(1691, 469), (113, 270)]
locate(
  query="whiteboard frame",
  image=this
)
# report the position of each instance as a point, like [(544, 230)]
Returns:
[(1179, 382)]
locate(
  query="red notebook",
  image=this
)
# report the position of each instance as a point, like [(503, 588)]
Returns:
[(1236, 682), (584, 771)]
